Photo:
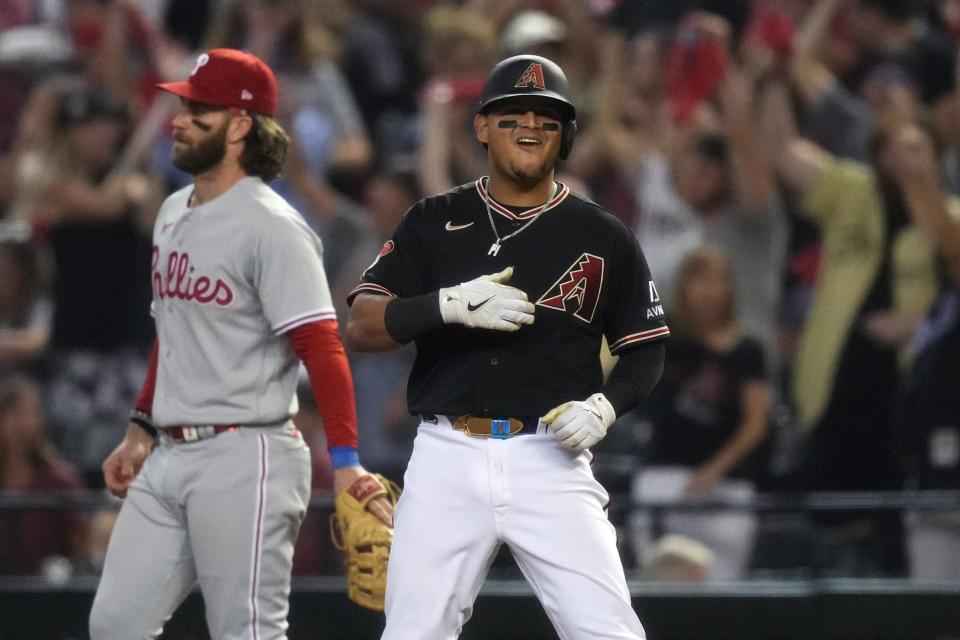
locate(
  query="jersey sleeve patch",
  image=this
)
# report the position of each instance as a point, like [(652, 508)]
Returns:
[(387, 248), (305, 318)]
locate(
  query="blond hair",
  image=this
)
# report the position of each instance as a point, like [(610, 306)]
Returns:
[(693, 265), (265, 148)]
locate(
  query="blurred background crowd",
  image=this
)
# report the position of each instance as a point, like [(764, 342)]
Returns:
[(790, 167)]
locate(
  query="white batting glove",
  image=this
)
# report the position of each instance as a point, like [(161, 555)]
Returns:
[(486, 303), (581, 424)]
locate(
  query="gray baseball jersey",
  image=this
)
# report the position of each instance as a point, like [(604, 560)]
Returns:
[(230, 277)]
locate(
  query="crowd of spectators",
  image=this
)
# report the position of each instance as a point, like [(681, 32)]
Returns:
[(791, 168)]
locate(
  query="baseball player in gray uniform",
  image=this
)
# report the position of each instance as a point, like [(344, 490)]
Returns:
[(216, 477)]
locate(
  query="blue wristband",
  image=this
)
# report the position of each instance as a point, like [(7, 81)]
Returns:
[(341, 457)]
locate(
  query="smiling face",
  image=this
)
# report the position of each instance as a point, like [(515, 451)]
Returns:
[(523, 136)]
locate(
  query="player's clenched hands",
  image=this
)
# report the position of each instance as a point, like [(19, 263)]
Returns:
[(123, 465), (346, 476), (486, 303), (581, 424)]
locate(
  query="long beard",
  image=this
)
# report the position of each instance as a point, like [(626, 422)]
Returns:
[(203, 156)]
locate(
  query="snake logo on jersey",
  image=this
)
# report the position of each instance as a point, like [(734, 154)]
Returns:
[(578, 289), (181, 281)]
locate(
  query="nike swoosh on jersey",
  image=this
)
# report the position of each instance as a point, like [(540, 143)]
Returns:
[(456, 227), (473, 307), (166, 226)]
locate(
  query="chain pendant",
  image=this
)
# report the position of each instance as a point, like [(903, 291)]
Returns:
[(494, 249)]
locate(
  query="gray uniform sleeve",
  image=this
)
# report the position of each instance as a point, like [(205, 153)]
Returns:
[(289, 275)]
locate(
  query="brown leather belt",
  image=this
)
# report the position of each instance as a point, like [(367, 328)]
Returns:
[(501, 428), (193, 432)]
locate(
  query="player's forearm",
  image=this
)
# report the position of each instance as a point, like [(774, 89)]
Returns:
[(141, 414), (377, 323), (634, 376), (318, 346), (366, 326), (138, 435)]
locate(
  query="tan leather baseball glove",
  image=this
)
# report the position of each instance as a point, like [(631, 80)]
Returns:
[(364, 539)]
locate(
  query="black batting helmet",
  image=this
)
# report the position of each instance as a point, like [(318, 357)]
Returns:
[(529, 75)]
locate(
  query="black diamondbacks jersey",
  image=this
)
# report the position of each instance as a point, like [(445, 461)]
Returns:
[(579, 264)]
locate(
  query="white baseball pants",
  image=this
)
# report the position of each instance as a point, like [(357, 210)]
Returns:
[(463, 497)]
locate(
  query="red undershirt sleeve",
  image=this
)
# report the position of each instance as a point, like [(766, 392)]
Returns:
[(144, 401), (318, 345)]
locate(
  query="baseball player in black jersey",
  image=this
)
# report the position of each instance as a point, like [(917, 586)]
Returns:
[(507, 378)]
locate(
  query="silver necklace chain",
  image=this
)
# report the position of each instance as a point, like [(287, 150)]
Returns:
[(495, 247)]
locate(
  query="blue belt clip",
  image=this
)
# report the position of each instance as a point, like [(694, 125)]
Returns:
[(500, 429)]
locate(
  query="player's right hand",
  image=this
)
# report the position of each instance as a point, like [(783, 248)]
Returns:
[(123, 465), (487, 303)]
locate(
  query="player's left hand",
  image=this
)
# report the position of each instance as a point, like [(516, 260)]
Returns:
[(581, 424), (346, 476), (123, 464), (362, 527)]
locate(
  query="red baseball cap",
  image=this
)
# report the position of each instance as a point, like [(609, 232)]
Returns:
[(229, 78)]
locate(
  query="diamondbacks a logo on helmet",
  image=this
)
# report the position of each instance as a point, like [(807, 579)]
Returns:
[(578, 289), (532, 78)]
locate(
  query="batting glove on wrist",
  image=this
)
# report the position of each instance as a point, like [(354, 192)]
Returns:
[(581, 424), (486, 303)]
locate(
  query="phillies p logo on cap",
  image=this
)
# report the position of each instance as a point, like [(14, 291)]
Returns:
[(229, 78), (202, 59)]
